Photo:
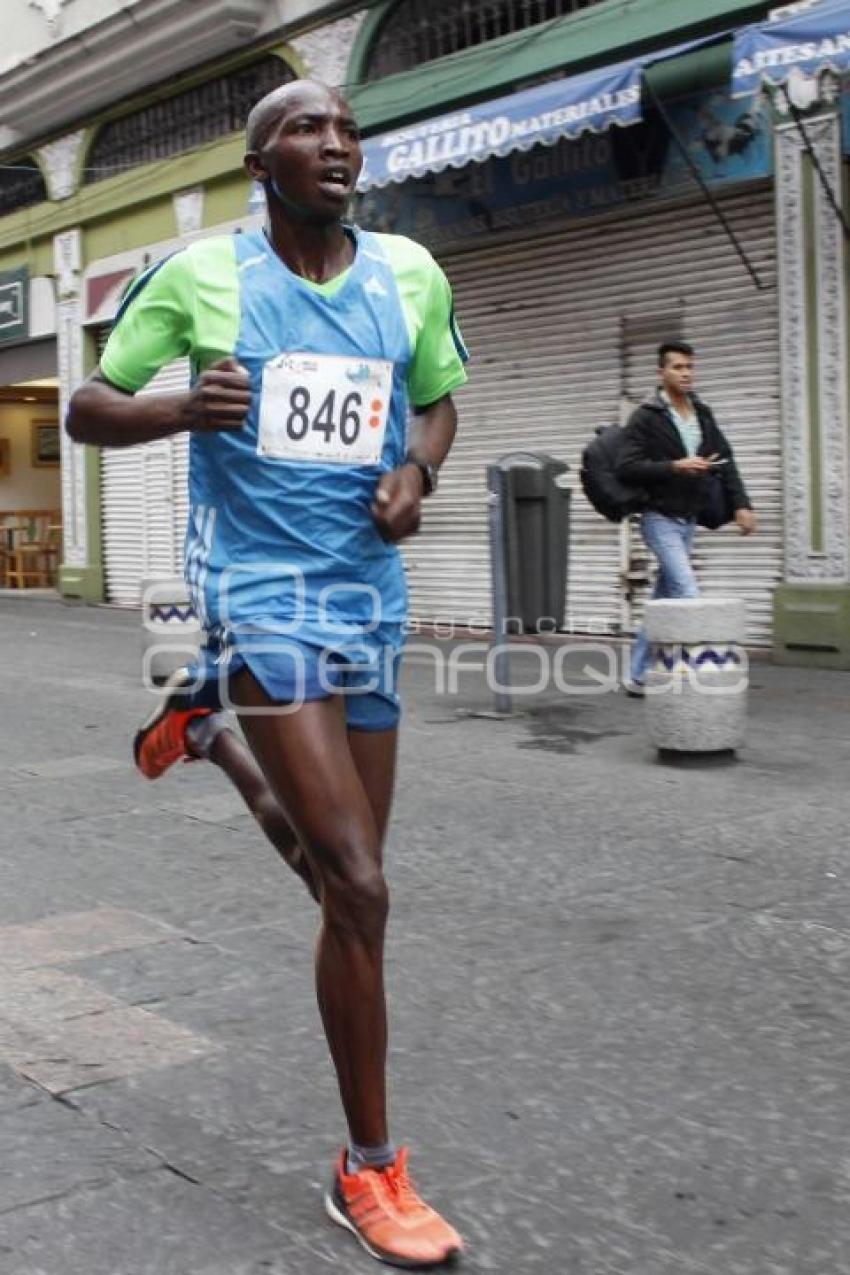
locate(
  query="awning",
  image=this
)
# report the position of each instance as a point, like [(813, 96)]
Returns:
[(592, 102), (562, 108), (794, 49)]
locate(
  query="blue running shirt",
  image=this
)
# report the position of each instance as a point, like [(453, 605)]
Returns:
[(280, 533)]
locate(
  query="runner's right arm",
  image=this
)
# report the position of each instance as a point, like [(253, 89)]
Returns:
[(156, 325), (103, 414)]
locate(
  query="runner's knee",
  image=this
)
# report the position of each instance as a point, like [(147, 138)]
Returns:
[(357, 899)]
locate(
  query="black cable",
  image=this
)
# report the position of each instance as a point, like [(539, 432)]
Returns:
[(703, 185)]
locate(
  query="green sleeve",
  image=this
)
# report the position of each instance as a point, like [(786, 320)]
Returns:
[(437, 366), (438, 352), (155, 324)]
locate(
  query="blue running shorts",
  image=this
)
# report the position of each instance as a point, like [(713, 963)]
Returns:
[(364, 669)]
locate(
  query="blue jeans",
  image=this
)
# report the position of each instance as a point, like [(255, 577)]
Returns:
[(671, 540)]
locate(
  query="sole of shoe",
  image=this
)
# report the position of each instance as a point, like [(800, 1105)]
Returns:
[(336, 1214), (170, 701)]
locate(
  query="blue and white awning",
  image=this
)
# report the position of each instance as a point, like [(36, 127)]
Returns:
[(815, 39), (591, 102)]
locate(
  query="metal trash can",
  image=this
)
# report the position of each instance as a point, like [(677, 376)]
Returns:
[(535, 507)]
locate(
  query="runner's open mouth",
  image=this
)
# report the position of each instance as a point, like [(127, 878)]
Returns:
[(336, 177)]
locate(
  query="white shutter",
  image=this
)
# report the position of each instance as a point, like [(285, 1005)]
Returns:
[(144, 504), (180, 496), (546, 320)]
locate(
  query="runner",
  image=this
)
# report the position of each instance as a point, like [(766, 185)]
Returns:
[(308, 340)]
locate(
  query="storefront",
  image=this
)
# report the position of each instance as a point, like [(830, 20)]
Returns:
[(30, 485), (800, 63), (575, 232), (571, 260)]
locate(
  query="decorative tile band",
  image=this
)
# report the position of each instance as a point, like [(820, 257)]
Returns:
[(164, 614), (677, 655)]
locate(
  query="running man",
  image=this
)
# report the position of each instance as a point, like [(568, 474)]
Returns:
[(308, 340)]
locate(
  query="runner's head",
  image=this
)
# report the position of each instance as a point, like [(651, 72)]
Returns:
[(303, 145)]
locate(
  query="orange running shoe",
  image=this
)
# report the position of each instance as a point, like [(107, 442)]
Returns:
[(161, 740), (381, 1207)]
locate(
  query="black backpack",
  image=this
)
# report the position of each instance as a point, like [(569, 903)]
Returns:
[(614, 499)]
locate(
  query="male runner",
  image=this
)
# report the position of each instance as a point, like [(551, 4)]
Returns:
[(307, 341)]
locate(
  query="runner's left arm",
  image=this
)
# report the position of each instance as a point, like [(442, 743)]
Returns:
[(437, 368)]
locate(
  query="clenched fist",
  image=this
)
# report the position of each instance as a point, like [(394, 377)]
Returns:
[(220, 398), (397, 504)]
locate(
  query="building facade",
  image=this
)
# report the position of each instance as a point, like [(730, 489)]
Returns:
[(591, 182)]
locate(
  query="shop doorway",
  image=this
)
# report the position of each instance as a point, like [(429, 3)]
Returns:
[(30, 485)]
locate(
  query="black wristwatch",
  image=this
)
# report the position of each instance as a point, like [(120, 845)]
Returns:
[(430, 473)]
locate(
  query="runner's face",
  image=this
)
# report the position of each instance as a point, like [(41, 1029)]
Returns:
[(677, 374), (312, 155)]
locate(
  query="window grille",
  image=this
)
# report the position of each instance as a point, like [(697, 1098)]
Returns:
[(185, 121), (418, 31), (21, 185)]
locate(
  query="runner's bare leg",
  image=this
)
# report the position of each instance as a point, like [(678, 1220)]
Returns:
[(232, 756), (308, 759)]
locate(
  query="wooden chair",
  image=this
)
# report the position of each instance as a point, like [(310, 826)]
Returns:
[(32, 543), (8, 524), (53, 550)]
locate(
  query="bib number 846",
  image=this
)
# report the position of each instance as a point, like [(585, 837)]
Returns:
[(326, 420)]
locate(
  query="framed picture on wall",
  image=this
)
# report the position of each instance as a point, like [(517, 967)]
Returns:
[(5, 458), (45, 444)]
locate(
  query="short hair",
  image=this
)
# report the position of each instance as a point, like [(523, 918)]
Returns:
[(673, 347)]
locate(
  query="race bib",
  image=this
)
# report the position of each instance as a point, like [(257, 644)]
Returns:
[(323, 408)]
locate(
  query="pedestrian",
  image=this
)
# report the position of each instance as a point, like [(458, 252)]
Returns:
[(308, 340), (670, 446)]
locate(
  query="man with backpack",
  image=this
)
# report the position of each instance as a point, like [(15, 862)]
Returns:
[(673, 448)]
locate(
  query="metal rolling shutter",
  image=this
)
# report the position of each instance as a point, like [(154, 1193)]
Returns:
[(545, 321), (180, 494), (144, 504)]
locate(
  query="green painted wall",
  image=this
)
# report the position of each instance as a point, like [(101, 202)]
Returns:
[(147, 223), (120, 197), (811, 626), (227, 198), (35, 253)]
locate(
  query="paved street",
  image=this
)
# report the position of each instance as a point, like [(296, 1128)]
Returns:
[(619, 989)]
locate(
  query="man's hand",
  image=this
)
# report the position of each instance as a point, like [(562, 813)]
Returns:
[(220, 398), (693, 466), (746, 520), (397, 504)]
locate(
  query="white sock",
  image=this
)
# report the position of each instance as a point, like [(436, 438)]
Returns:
[(369, 1157), (202, 732)]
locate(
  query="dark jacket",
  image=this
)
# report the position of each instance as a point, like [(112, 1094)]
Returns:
[(651, 442)]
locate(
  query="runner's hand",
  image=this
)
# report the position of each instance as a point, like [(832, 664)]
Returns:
[(220, 398), (397, 504)]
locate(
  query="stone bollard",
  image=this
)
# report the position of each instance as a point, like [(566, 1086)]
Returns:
[(696, 685), (171, 633)]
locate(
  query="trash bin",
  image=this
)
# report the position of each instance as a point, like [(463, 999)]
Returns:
[(535, 508)]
